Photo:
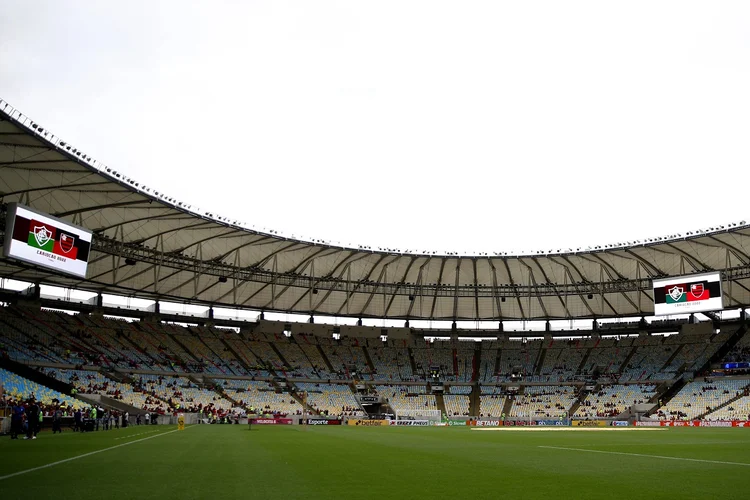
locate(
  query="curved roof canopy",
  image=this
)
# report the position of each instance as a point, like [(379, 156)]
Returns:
[(155, 247)]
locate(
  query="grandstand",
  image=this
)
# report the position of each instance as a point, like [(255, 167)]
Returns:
[(544, 402), (220, 368), (612, 400), (702, 397), (332, 360), (157, 361), (331, 399)]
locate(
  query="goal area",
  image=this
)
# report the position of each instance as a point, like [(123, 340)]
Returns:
[(431, 415)]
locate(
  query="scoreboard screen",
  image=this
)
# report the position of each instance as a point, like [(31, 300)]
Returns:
[(688, 294), (43, 240)]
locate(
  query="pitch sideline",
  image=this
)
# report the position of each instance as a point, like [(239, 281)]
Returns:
[(8, 476), (661, 457)]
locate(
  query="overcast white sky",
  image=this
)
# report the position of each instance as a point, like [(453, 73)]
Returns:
[(449, 126)]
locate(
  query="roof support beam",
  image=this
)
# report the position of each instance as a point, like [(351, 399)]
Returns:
[(554, 287), (515, 292), (437, 287)]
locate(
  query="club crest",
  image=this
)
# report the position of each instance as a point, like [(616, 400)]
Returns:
[(696, 289), (676, 292), (66, 242), (42, 235)]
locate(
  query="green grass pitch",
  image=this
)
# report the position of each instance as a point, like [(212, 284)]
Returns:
[(287, 462)]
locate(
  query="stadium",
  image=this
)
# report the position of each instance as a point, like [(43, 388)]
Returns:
[(619, 372), (153, 349)]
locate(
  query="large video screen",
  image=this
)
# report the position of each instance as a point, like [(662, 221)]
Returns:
[(688, 294), (46, 241)]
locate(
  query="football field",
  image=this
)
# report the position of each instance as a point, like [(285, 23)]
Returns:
[(269, 462)]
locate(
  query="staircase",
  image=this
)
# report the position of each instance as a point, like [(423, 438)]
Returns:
[(411, 360), (308, 409), (508, 405), (475, 401), (497, 363), (325, 358), (671, 358), (278, 353), (627, 359), (184, 347), (578, 402), (540, 360), (239, 358), (441, 403), (219, 389), (672, 391), (368, 359), (584, 361)]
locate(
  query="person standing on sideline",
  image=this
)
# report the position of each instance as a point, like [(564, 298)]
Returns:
[(32, 419), (77, 417), (57, 420), (148, 418), (16, 420)]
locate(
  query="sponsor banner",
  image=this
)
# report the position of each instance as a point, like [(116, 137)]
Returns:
[(322, 421), (520, 423), (688, 294), (271, 421), (589, 423), (458, 422), (648, 424), (413, 423), (695, 423), (486, 423), (369, 399), (620, 423), (717, 423), (681, 423), (46, 241), (367, 423), (559, 423)]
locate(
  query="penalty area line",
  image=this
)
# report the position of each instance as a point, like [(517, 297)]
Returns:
[(139, 434), (8, 476), (660, 457)]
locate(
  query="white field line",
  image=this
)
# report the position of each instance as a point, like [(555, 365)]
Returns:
[(661, 457), (8, 476), (139, 434)]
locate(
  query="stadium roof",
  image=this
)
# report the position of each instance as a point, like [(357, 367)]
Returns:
[(152, 246)]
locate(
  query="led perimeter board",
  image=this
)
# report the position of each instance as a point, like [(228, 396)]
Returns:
[(43, 240), (688, 294)]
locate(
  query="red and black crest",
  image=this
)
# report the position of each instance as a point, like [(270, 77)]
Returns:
[(67, 242)]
